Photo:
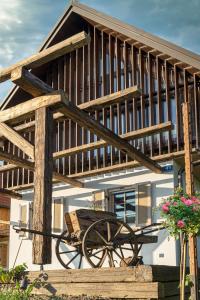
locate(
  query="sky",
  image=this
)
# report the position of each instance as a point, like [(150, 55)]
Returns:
[(24, 24)]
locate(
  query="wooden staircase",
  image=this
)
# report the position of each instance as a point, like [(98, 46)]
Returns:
[(143, 282)]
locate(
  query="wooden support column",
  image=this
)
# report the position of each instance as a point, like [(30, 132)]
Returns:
[(190, 191), (43, 185)]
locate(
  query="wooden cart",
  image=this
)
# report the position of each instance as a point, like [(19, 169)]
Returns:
[(99, 238)]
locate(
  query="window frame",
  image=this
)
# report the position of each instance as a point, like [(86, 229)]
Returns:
[(135, 187), (124, 191)]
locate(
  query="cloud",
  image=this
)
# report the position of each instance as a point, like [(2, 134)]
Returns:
[(23, 27)]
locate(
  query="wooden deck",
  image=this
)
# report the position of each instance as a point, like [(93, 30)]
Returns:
[(143, 282)]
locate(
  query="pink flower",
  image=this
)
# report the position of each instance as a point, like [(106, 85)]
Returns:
[(188, 202), (175, 203), (194, 199), (165, 208), (183, 199), (167, 203), (181, 224)]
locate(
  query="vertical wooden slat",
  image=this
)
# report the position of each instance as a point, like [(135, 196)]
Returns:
[(197, 113), (151, 104), (168, 103), (90, 89), (133, 63), (103, 90), (177, 100), (118, 85), (70, 99), (111, 64), (43, 185), (158, 71), (111, 86), (142, 100), (95, 56)]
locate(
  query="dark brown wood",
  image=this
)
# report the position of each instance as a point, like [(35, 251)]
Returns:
[(189, 178), (10, 194), (28, 108), (47, 55), (73, 112), (43, 185), (110, 63), (111, 99), (17, 139), (30, 83)]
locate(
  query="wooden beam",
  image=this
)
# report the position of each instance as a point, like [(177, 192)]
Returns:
[(49, 54), (71, 111), (17, 162), (111, 99), (30, 83), (10, 194), (189, 178), (30, 106), (67, 179), (17, 140), (36, 87), (114, 168), (42, 204), (127, 136), (196, 163)]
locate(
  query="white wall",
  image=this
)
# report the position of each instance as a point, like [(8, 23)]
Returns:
[(164, 252)]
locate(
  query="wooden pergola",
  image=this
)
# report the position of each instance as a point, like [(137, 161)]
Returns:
[(48, 104)]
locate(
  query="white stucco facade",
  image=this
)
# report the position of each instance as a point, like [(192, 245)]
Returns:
[(165, 252)]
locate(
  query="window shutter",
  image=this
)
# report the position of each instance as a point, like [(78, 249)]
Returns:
[(25, 219), (57, 219), (23, 215), (99, 200), (144, 208)]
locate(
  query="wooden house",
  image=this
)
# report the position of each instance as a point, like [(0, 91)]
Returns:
[(130, 82)]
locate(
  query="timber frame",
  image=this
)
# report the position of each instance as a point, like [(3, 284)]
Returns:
[(99, 97)]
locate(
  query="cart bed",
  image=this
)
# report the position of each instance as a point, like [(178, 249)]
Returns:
[(81, 219)]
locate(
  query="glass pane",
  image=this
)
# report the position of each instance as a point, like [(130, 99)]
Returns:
[(124, 204), (119, 205), (130, 207)]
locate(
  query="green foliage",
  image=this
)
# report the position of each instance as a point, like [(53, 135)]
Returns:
[(181, 214), (12, 275), (10, 284)]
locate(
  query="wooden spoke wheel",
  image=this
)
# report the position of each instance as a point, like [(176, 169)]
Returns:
[(110, 242), (69, 256)]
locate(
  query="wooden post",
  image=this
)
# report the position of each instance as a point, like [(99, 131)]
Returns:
[(190, 191), (43, 185)]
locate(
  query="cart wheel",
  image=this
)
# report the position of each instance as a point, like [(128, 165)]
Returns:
[(70, 257), (109, 242)]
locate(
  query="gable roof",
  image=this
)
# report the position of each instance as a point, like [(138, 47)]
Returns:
[(127, 31)]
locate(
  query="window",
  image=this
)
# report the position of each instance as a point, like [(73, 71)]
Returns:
[(133, 204), (125, 206)]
